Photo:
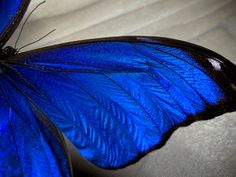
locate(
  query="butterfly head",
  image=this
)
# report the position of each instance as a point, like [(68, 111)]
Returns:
[(7, 52)]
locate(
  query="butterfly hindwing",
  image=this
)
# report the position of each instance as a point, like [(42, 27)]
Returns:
[(117, 98), (30, 144)]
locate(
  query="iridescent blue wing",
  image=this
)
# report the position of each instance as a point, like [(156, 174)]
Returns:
[(11, 12), (30, 145), (118, 98)]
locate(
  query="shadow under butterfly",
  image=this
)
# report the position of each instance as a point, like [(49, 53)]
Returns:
[(115, 99)]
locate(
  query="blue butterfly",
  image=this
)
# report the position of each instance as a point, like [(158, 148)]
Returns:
[(115, 99)]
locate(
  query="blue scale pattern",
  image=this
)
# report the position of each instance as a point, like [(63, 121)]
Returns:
[(116, 100), (8, 10)]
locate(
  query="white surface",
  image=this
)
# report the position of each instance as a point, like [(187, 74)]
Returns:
[(206, 148)]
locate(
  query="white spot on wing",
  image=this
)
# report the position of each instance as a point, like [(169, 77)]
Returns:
[(215, 64), (233, 86)]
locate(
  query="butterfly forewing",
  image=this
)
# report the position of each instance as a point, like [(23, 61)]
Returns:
[(11, 13), (118, 98)]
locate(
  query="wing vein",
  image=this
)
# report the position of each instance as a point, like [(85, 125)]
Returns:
[(135, 101)]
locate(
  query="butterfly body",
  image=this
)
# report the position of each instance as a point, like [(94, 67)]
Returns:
[(7, 52), (115, 99)]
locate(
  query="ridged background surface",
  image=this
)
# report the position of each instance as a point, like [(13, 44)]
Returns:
[(206, 148)]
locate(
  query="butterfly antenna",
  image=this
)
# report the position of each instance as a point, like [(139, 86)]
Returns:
[(36, 40), (17, 40)]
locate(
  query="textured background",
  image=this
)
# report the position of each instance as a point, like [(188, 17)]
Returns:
[(206, 148)]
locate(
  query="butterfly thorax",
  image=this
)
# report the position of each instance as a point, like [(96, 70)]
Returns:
[(7, 52)]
